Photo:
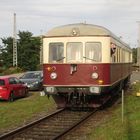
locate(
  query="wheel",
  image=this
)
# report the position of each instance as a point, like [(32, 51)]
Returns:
[(11, 97), (26, 92), (41, 88)]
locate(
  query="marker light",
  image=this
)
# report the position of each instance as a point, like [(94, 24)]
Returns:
[(100, 82), (53, 68), (49, 68)]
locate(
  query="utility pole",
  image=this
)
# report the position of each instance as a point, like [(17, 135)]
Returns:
[(138, 48), (14, 43), (41, 48)]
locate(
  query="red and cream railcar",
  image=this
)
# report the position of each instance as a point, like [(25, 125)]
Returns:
[(82, 63)]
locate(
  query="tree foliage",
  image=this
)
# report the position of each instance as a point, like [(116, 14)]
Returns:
[(7, 52), (134, 51), (28, 51)]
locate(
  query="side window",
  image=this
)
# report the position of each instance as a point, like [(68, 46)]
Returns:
[(114, 53), (17, 81), (2, 82), (123, 55), (119, 56), (12, 81), (113, 48), (56, 52), (93, 52)]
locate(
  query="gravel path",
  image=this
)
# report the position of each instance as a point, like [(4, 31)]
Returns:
[(135, 77)]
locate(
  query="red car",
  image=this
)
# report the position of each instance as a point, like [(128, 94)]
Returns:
[(11, 88)]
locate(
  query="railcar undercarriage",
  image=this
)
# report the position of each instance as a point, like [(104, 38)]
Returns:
[(85, 99), (76, 100)]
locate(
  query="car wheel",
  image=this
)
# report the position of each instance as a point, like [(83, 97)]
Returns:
[(41, 88), (26, 92), (11, 97)]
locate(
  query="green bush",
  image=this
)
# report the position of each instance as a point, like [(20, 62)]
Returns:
[(12, 70)]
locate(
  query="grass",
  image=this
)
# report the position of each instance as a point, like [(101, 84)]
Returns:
[(114, 129), (22, 110)]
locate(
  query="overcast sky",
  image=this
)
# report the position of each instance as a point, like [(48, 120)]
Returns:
[(39, 16)]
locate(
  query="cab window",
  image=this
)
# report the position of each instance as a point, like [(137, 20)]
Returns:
[(56, 52), (74, 52), (93, 52)]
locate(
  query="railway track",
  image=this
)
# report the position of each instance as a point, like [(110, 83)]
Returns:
[(51, 127), (54, 126)]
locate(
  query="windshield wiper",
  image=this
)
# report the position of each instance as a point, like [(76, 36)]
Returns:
[(60, 59), (89, 58)]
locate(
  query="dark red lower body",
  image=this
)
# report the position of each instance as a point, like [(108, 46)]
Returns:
[(77, 88)]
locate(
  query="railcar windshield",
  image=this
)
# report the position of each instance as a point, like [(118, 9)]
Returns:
[(74, 52), (93, 52), (56, 52)]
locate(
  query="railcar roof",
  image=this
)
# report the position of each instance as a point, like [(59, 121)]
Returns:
[(80, 29)]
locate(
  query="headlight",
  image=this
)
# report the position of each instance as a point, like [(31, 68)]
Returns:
[(53, 75), (34, 83), (94, 75), (50, 89), (94, 89)]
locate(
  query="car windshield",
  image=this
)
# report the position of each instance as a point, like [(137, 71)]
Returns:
[(2, 82), (31, 75)]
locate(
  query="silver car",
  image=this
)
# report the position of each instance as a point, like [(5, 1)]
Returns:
[(33, 80)]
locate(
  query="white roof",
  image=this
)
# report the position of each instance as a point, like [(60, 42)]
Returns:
[(79, 29)]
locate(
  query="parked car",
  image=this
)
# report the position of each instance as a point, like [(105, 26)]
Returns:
[(33, 79), (11, 88)]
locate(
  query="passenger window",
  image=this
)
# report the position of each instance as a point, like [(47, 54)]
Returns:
[(93, 52), (56, 52)]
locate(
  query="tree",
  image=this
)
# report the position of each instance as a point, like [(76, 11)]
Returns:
[(28, 50), (7, 52), (134, 52)]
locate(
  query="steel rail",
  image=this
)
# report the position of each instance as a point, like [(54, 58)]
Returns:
[(75, 125), (14, 132), (76, 122)]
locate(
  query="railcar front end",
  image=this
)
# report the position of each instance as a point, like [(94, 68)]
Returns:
[(76, 84), (81, 67)]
